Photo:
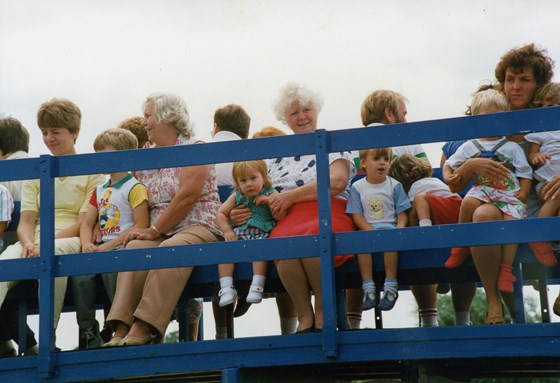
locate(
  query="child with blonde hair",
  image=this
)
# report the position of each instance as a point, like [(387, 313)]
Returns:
[(118, 206), (544, 153), (252, 186), (376, 202), (509, 195)]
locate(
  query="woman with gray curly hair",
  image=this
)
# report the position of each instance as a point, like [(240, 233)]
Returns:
[(295, 178), (183, 203)]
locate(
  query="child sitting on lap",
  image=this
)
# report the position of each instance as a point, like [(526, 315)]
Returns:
[(252, 185), (378, 202), (507, 195)]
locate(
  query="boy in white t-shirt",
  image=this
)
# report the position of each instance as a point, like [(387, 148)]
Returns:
[(378, 202)]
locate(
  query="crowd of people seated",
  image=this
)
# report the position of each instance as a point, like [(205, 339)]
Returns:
[(507, 178)]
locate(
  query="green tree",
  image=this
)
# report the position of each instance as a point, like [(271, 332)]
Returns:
[(478, 309)]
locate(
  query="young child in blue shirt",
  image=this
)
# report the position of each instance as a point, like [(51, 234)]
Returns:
[(376, 202)]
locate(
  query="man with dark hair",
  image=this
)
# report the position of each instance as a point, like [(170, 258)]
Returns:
[(231, 123), (14, 144)]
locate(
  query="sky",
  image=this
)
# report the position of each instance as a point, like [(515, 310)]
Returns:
[(107, 56)]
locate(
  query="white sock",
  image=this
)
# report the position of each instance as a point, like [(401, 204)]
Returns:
[(258, 280), (226, 282), (288, 325), (425, 222), (428, 317), (354, 320), (462, 318)]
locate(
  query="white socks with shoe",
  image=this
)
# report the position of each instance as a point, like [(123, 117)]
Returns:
[(227, 293), (256, 290)]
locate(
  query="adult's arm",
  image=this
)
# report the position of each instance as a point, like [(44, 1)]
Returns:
[(191, 185), (338, 174), (484, 167), (26, 233)]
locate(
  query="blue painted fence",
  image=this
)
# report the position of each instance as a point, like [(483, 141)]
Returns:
[(332, 346)]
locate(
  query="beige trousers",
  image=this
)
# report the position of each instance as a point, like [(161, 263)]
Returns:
[(152, 295), (61, 246)]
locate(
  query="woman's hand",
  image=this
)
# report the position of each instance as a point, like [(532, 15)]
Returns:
[(551, 190), (279, 203), (239, 215), (141, 234), (487, 168)]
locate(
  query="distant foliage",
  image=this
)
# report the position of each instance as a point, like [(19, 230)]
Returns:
[(478, 310)]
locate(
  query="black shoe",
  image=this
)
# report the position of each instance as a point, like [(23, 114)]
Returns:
[(241, 308), (90, 338)]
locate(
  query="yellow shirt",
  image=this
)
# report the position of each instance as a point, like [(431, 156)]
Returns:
[(72, 196)]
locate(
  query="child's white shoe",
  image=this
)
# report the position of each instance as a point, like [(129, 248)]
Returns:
[(227, 295), (255, 294)]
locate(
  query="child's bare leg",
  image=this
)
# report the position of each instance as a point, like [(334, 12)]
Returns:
[(412, 216), (460, 254), (391, 286), (423, 211), (257, 284), (227, 293), (542, 250), (365, 263)]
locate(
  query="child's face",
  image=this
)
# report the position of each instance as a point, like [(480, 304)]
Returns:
[(251, 182), (376, 167)]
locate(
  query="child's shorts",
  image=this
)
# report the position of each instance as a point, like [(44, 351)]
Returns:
[(445, 210)]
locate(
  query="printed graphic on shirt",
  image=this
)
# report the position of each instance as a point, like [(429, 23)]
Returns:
[(376, 207), (109, 215)]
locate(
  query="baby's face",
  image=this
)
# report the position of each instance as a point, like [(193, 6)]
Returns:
[(551, 103)]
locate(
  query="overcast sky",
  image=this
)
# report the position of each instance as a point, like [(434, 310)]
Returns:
[(107, 56)]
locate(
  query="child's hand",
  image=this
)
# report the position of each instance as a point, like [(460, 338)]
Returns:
[(538, 158), (230, 236), (89, 248), (262, 200), (522, 196)]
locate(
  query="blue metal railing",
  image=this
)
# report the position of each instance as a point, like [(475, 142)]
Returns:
[(333, 345)]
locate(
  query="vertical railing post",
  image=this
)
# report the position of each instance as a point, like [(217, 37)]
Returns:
[(326, 247), (46, 277)]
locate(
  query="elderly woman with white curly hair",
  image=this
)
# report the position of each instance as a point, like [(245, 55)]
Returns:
[(183, 203), (296, 180)]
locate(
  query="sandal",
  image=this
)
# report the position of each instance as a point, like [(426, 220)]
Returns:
[(495, 319)]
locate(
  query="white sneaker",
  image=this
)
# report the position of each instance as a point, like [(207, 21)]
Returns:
[(227, 295), (255, 294)]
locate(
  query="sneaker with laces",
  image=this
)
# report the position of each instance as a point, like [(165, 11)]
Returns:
[(255, 294), (90, 338), (227, 296), (388, 301), (370, 300)]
